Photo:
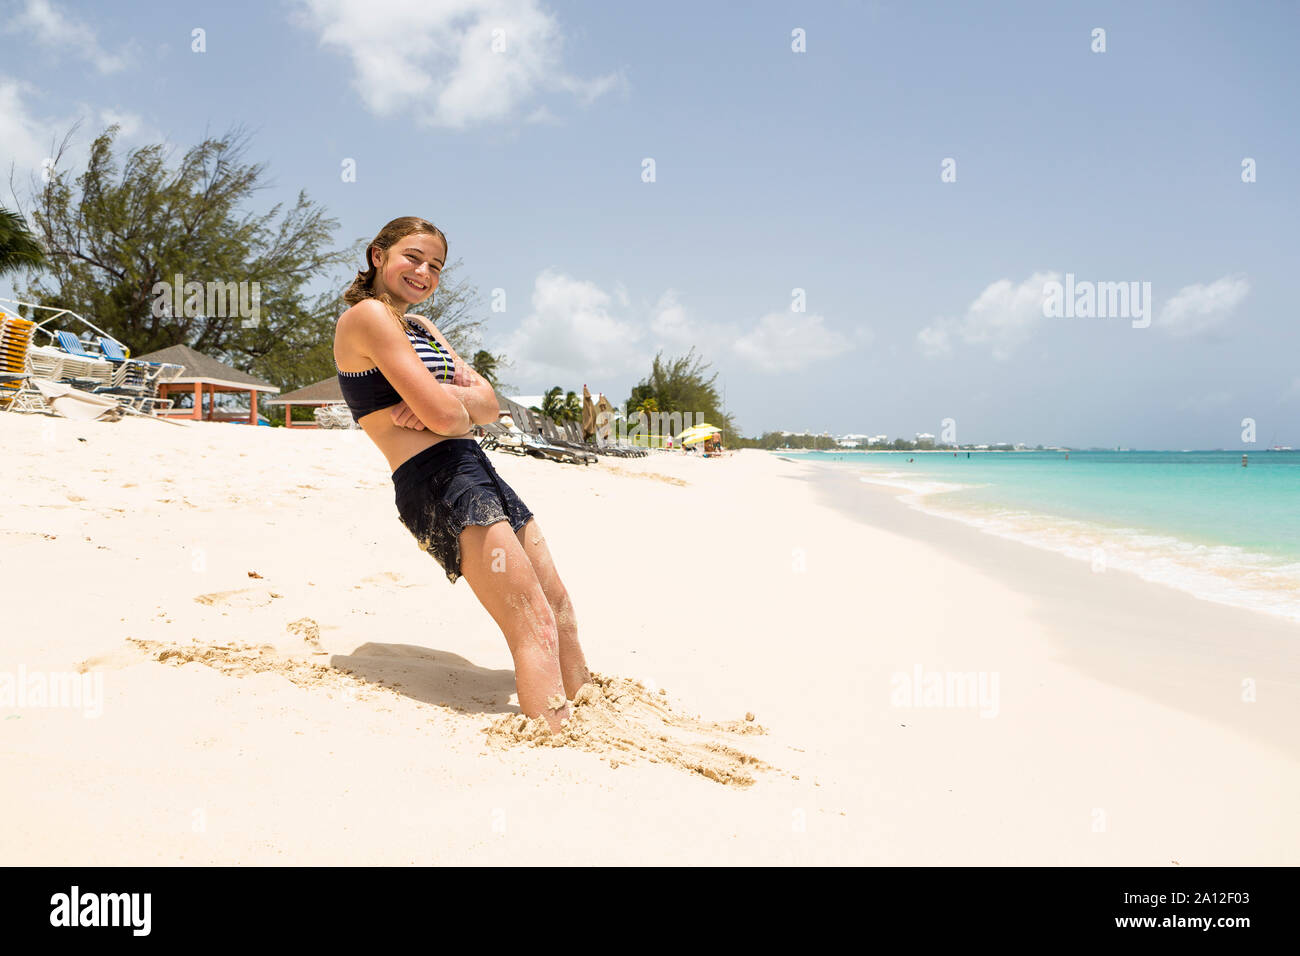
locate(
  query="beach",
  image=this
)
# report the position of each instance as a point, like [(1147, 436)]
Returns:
[(272, 672)]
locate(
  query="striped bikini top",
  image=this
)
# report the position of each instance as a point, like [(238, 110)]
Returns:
[(369, 391)]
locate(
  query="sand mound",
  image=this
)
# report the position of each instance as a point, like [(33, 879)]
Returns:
[(612, 715)]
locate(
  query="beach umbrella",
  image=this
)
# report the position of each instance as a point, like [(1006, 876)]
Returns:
[(588, 414), (698, 433), (602, 414)]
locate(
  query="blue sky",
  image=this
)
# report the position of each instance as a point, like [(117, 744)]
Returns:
[(775, 171)]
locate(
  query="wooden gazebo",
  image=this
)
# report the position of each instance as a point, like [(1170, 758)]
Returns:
[(204, 375), (324, 392)]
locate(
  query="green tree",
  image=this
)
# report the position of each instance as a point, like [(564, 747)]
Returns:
[(485, 363), (680, 385), (573, 407), (553, 404), (119, 231), (18, 247), (639, 394), (561, 406)]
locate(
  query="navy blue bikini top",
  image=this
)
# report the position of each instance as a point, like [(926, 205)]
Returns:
[(369, 391)]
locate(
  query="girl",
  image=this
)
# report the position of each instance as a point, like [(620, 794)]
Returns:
[(417, 400)]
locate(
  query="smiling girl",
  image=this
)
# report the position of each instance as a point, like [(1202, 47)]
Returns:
[(417, 400)]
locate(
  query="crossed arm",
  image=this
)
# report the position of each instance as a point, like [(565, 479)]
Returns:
[(443, 408), (473, 392)]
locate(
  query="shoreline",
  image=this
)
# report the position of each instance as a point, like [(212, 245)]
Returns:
[(1229, 573), (1131, 650)]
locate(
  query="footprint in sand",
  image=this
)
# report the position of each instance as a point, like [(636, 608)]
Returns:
[(615, 715), (309, 631), (114, 660), (388, 579), (236, 659), (243, 597)]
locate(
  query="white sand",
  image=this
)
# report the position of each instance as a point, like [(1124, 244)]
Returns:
[(335, 709)]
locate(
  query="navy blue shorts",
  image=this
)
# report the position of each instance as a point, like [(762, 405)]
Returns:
[(447, 487)]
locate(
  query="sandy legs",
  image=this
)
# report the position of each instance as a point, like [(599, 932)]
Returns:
[(514, 577)]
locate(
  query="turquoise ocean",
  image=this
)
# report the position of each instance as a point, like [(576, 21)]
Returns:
[(1195, 520)]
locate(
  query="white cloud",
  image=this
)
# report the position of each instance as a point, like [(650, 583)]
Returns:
[(1198, 308), (433, 62), (669, 320), (60, 30), (578, 332), (571, 333), (542, 116), (28, 140), (1002, 317), (132, 126), (790, 341), (935, 340)]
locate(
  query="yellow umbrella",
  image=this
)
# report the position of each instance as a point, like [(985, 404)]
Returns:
[(689, 435), (693, 436)]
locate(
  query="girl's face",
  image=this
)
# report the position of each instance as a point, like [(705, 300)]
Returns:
[(411, 269)]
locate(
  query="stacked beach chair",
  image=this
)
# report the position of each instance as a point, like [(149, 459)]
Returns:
[(32, 376), (131, 383), (16, 392)]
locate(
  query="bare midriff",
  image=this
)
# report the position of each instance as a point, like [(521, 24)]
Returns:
[(398, 443)]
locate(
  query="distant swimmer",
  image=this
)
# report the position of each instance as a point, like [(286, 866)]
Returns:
[(1243, 461)]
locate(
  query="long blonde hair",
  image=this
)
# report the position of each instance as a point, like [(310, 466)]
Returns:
[(363, 286)]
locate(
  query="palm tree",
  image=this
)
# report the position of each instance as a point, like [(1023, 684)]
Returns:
[(18, 247), (485, 363), (573, 408), (553, 404)]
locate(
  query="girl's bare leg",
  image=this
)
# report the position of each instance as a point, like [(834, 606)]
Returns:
[(573, 666), (502, 577)]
